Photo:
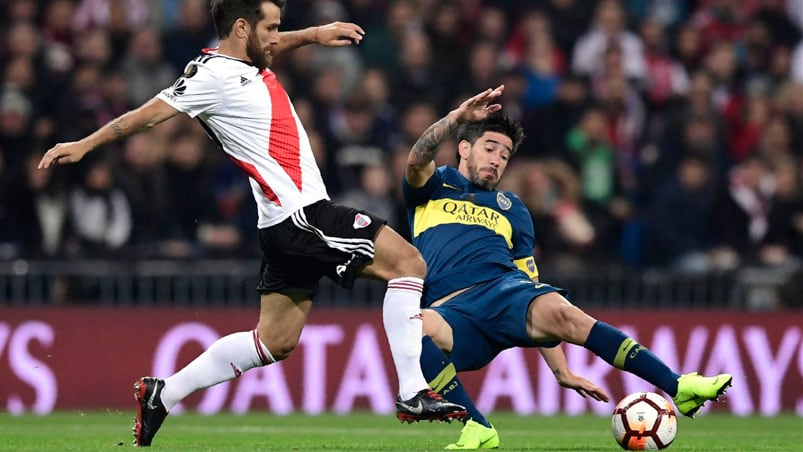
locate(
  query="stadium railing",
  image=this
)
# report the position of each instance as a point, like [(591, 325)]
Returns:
[(223, 282)]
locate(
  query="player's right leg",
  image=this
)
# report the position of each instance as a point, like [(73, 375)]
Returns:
[(281, 320), (551, 316), (399, 263)]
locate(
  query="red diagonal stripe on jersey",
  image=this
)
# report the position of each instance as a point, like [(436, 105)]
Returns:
[(252, 172), (283, 145)]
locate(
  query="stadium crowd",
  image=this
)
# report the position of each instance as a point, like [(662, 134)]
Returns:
[(663, 133)]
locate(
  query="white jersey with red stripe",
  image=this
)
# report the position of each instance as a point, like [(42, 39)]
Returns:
[(249, 115)]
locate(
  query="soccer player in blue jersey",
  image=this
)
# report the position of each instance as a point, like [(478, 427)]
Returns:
[(481, 292)]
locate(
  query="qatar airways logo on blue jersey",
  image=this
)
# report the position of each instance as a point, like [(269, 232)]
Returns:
[(471, 213)]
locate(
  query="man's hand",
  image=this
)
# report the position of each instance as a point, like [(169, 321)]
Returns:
[(478, 107), (338, 34), (582, 386), (63, 153)]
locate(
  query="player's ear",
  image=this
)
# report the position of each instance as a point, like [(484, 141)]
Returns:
[(241, 28), (463, 148)]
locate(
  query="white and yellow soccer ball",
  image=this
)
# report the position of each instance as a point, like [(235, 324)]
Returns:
[(644, 421)]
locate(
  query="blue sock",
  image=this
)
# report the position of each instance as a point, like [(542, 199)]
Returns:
[(442, 378), (622, 352)]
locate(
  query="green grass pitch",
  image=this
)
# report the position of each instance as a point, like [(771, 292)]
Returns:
[(85, 430)]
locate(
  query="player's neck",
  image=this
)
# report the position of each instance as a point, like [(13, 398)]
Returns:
[(232, 49)]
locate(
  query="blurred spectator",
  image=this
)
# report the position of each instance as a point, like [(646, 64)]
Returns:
[(483, 69), (100, 213), (695, 135), (666, 13), (784, 239), (789, 102), (193, 32), (688, 47), (144, 67), (491, 25), (666, 78), (15, 131), (414, 121), (597, 162), (546, 127), (57, 22), (679, 229), (36, 207), (447, 45), (191, 204), (743, 208), (720, 20), (569, 20), (20, 11), (382, 50), (373, 192), (544, 64), (593, 156), (778, 22), (374, 85), (609, 30), (415, 78), (141, 175), (551, 191), (112, 14), (118, 17), (345, 59), (356, 138), (78, 110)]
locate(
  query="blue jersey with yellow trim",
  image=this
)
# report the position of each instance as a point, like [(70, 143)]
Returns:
[(466, 234)]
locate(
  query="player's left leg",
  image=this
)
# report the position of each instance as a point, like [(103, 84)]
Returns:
[(441, 374), (281, 320), (551, 316)]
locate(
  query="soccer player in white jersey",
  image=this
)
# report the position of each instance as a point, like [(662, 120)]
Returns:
[(303, 236)]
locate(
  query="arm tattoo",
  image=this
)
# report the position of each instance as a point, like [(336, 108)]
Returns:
[(556, 373), (427, 145), (117, 129)]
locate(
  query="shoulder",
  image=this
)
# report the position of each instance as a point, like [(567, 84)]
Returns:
[(210, 65), (510, 202), (514, 200)]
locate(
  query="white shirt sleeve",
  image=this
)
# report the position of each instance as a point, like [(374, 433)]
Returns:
[(197, 91)]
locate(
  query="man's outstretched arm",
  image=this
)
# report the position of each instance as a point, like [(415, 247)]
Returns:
[(556, 361), (146, 116), (420, 165), (335, 34)]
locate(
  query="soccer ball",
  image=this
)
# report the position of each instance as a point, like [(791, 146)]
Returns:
[(644, 421)]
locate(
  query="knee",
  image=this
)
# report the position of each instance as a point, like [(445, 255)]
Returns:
[(569, 323), (409, 262), (280, 344)]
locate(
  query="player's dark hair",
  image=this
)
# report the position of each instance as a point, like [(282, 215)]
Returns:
[(226, 12), (495, 122)]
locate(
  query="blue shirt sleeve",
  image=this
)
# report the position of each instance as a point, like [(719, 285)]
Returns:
[(416, 196)]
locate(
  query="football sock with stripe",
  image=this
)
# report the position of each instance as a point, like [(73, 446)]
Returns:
[(401, 315), (442, 377), (622, 352), (226, 359)]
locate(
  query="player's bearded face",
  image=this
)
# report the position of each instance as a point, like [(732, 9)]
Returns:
[(482, 174), (259, 54)]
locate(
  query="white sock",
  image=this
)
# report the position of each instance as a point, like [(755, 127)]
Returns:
[(226, 359), (401, 314)]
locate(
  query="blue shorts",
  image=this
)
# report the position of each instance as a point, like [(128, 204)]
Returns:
[(492, 317)]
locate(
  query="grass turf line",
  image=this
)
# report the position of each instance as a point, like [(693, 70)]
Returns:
[(85, 430)]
